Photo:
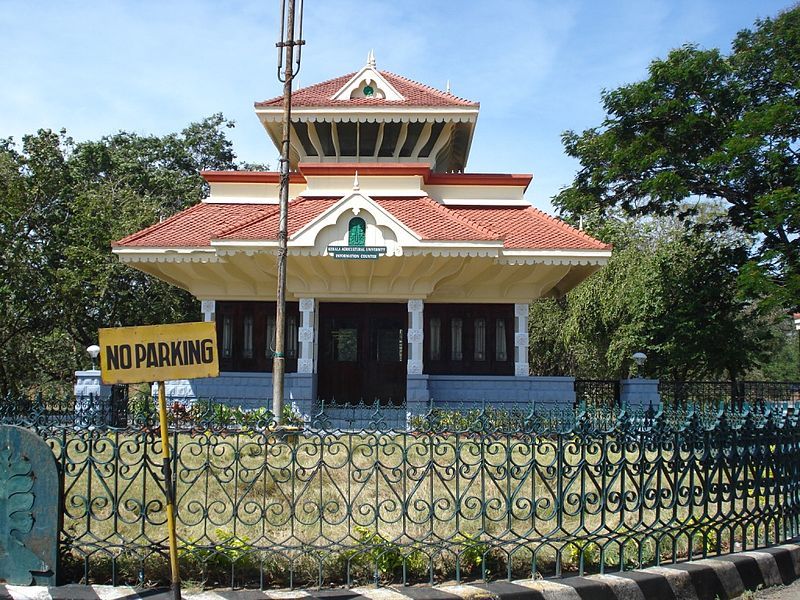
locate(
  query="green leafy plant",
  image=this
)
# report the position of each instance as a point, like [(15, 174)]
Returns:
[(215, 560), (472, 551)]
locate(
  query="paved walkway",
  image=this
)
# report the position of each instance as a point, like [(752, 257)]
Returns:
[(721, 578), (789, 592)]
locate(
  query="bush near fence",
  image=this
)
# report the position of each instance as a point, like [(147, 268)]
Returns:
[(485, 494)]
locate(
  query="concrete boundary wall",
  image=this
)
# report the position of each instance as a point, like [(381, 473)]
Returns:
[(720, 578)]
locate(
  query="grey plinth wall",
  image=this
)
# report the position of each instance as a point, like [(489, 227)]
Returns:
[(246, 390), (639, 393), (500, 391), (417, 394)]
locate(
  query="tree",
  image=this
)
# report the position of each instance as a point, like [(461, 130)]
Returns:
[(61, 206), (667, 291), (706, 126)]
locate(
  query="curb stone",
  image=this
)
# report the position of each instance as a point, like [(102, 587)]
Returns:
[(723, 577)]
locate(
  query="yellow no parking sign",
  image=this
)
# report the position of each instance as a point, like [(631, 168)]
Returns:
[(158, 352)]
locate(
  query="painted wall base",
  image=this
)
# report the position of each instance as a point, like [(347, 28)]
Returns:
[(246, 390), (500, 391), (254, 390), (639, 393)]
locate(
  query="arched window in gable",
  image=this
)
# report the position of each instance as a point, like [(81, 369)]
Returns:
[(357, 232)]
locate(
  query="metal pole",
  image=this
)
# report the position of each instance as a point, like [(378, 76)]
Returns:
[(286, 45), (167, 471), (796, 318)]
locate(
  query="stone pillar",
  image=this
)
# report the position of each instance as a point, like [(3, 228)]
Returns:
[(208, 308), (521, 368), (416, 335), (417, 395), (305, 362), (92, 398), (639, 393), (303, 384)]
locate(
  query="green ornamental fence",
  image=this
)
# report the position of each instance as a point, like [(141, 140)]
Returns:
[(481, 493)]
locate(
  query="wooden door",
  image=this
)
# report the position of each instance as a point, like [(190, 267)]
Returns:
[(362, 353)]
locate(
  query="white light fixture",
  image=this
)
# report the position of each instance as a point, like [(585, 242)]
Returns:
[(93, 351)]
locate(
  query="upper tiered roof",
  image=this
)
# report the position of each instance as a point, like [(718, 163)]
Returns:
[(375, 116)]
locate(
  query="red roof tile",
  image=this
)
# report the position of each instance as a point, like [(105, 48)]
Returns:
[(415, 94), (518, 227), (301, 212), (529, 228), (432, 221), (194, 227)]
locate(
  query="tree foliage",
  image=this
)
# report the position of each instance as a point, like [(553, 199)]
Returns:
[(61, 205), (705, 125), (667, 291)]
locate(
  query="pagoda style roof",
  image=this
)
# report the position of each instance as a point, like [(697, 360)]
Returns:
[(374, 116), (414, 94), (515, 227)]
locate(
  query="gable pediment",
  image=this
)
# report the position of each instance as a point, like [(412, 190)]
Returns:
[(332, 228), (368, 83)]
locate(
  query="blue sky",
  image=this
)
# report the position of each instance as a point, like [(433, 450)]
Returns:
[(536, 66)]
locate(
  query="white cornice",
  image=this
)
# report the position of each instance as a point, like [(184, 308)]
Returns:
[(479, 249), (554, 257), (396, 114), (239, 200), (483, 202), (155, 254), (556, 253)]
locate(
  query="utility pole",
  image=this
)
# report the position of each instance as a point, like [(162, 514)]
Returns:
[(291, 24), (796, 317)]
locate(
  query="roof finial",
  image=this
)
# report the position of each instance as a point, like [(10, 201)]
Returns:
[(448, 86), (371, 59), (355, 182)]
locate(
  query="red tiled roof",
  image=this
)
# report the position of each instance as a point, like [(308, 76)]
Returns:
[(415, 94), (432, 221), (425, 217), (529, 228), (301, 212), (517, 227), (194, 227)]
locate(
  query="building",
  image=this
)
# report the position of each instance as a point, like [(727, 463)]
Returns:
[(408, 279)]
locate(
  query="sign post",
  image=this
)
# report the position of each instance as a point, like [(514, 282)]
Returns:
[(158, 353)]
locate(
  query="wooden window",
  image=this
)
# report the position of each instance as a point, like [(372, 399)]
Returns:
[(246, 335), (270, 337), (291, 336), (435, 338), (479, 340), (500, 342), (456, 339), (227, 336), (468, 339), (357, 232), (345, 344)]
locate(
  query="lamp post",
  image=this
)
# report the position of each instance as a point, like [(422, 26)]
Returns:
[(639, 358), (93, 351)]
